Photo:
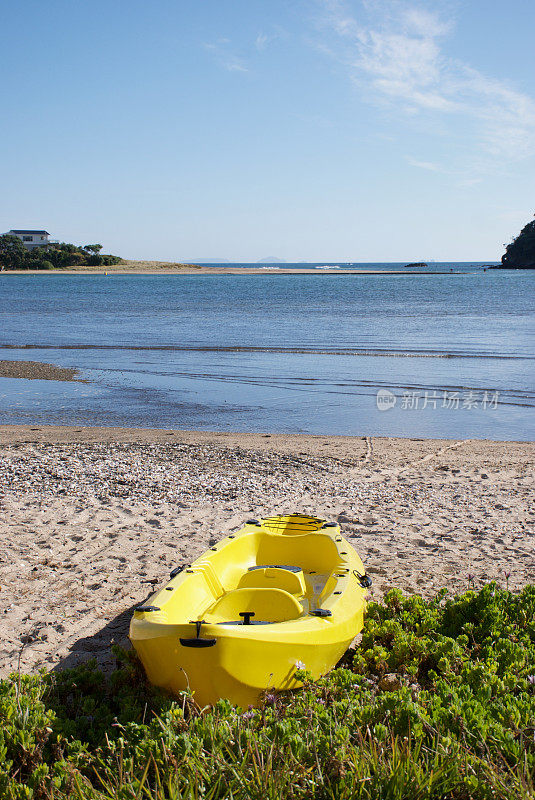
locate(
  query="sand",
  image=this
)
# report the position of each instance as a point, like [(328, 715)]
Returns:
[(36, 370), (93, 519)]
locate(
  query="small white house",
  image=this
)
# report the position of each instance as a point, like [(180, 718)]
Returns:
[(31, 239)]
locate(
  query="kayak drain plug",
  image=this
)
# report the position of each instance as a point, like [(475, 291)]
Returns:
[(247, 616)]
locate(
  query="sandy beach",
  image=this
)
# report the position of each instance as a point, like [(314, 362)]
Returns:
[(94, 518)]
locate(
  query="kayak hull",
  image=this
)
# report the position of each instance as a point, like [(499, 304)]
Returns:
[(197, 634)]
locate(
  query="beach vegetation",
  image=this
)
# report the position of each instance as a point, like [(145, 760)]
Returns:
[(12, 251), (96, 260), (53, 255), (437, 701)]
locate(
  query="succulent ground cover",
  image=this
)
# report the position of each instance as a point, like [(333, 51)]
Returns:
[(437, 701)]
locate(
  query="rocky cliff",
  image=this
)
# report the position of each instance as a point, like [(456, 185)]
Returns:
[(520, 254)]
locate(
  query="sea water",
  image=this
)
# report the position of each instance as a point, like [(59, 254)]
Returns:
[(441, 355)]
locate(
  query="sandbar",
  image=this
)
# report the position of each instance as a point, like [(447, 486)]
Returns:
[(175, 268), (36, 370)]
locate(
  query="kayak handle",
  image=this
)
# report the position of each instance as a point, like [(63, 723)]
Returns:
[(197, 641), (321, 612), (364, 580)]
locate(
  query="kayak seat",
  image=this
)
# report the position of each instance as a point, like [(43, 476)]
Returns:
[(312, 551), (275, 576), (267, 604)]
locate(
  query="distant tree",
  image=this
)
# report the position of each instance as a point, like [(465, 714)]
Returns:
[(34, 258), (12, 252), (63, 255), (56, 256), (103, 261), (520, 254), (13, 255)]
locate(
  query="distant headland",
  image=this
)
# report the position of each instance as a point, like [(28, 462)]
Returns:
[(520, 254)]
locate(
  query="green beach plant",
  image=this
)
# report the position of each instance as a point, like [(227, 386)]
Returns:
[(437, 701)]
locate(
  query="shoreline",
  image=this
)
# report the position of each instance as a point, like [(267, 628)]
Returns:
[(234, 271), (165, 268), (344, 444)]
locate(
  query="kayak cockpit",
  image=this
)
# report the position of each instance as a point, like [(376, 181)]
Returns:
[(265, 604)]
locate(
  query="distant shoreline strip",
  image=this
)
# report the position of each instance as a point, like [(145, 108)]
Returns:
[(188, 272), (351, 351)]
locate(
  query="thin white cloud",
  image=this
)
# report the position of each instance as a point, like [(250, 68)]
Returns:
[(467, 183), (235, 65), (398, 53), (428, 165), (224, 56), (463, 181), (261, 41)]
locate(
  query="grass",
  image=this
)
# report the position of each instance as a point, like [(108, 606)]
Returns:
[(437, 702)]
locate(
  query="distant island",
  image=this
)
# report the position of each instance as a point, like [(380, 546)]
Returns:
[(520, 254), (271, 260), (14, 255)]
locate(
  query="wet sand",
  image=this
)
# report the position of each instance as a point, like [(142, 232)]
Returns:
[(93, 519), (36, 370)]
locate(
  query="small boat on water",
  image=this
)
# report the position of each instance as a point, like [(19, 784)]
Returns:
[(282, 593)]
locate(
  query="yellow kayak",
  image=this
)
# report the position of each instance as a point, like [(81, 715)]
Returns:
[(283, 593)]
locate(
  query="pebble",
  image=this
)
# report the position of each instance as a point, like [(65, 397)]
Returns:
[(183, 474)]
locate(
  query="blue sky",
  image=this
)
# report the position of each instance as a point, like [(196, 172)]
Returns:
[(373, 130)]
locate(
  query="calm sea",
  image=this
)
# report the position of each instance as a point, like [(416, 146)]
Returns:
[(448, 355)]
